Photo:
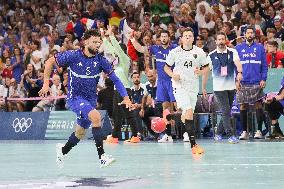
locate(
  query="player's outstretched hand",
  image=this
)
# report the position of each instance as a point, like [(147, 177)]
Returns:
[(128, 103), (176, 77), (44, 90)]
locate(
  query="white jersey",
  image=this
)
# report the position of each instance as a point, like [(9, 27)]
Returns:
[(186, 61)]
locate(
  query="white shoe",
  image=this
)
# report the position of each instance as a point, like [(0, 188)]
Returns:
[(166, 139), (258, 135), (244, 136), (59, 155), (106, 160), (185, 137)]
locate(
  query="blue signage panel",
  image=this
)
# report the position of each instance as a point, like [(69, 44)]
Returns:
[(62, 123), (23, 125)]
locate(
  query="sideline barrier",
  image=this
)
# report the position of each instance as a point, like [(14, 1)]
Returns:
[(23, 125), (44, 125)]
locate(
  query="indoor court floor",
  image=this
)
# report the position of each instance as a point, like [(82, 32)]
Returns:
[(147, 165)]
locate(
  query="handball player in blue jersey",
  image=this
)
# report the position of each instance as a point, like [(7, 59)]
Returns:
[(164, 83), (84, 66)]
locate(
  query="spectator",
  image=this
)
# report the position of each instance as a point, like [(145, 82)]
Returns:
[(279, 28), (105, 97), (209, 40), (274, 106), (275, 58), (32, 85), (7, 71), (15, 92), (37, 56), (149, 106), (17, 64), (55, 90)]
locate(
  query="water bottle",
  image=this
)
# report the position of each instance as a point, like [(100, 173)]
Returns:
[(129, 132), (123, 132)]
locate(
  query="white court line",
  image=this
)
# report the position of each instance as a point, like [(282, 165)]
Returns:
[(240, 164), (260, 157)]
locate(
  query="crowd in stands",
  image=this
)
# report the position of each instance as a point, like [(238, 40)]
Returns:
[(33, 30)]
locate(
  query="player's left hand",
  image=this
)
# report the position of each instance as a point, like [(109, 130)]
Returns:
[(127, 103), (262, 84)]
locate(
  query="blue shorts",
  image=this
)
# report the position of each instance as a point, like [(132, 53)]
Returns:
[(82, 108), (165, 91)]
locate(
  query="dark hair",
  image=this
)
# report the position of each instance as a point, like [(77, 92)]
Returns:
[(90, 33), (250, 27), (37, 43), (188, 29), (221, 33), (135, 72), (273, 43)]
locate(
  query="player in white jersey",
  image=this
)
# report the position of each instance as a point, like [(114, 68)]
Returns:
[(190, 62)]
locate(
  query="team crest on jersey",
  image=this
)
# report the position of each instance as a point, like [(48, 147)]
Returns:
[(95, 63), (243, 50), (195, 56)]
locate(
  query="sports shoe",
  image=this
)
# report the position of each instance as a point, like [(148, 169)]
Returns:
[(106, 160), (218, 138), (166, 139), (111, 140), (59, 155), (185, 137), (276, 133), (258, 135), (233, 140), (244, 136), (196, 149), (133, 140)]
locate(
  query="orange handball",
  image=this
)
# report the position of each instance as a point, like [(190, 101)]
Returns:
[(158, 125)]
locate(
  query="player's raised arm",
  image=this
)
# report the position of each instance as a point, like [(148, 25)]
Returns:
[(47, 72)]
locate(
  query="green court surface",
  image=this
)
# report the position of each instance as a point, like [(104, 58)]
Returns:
[(31, 164)]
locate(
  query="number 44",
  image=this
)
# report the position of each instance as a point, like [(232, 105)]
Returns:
[(188, 64)]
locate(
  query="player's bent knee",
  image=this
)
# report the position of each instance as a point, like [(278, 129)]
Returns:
[(95, 118), (80, 132)]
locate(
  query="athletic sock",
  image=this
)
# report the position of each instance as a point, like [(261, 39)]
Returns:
[(98, 137), (72, 141), (190, 130)]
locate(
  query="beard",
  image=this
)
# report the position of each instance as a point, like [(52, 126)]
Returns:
[(250, 39), (92, 51), (164, 42), (136, 82), (222, 45)]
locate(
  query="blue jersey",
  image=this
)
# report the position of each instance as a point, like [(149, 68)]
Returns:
[(253, 60), (160, 55), (83, 72)]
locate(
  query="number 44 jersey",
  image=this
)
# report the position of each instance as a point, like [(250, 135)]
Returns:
[(185, 63)]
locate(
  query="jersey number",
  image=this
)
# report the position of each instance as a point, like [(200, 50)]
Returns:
[(188, 64), (88, 72)]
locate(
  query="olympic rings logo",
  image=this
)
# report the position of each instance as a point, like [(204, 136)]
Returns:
[(22, 124)]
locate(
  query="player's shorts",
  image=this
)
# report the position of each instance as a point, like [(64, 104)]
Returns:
[(185, 98), (165, 91), (82, 108)]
